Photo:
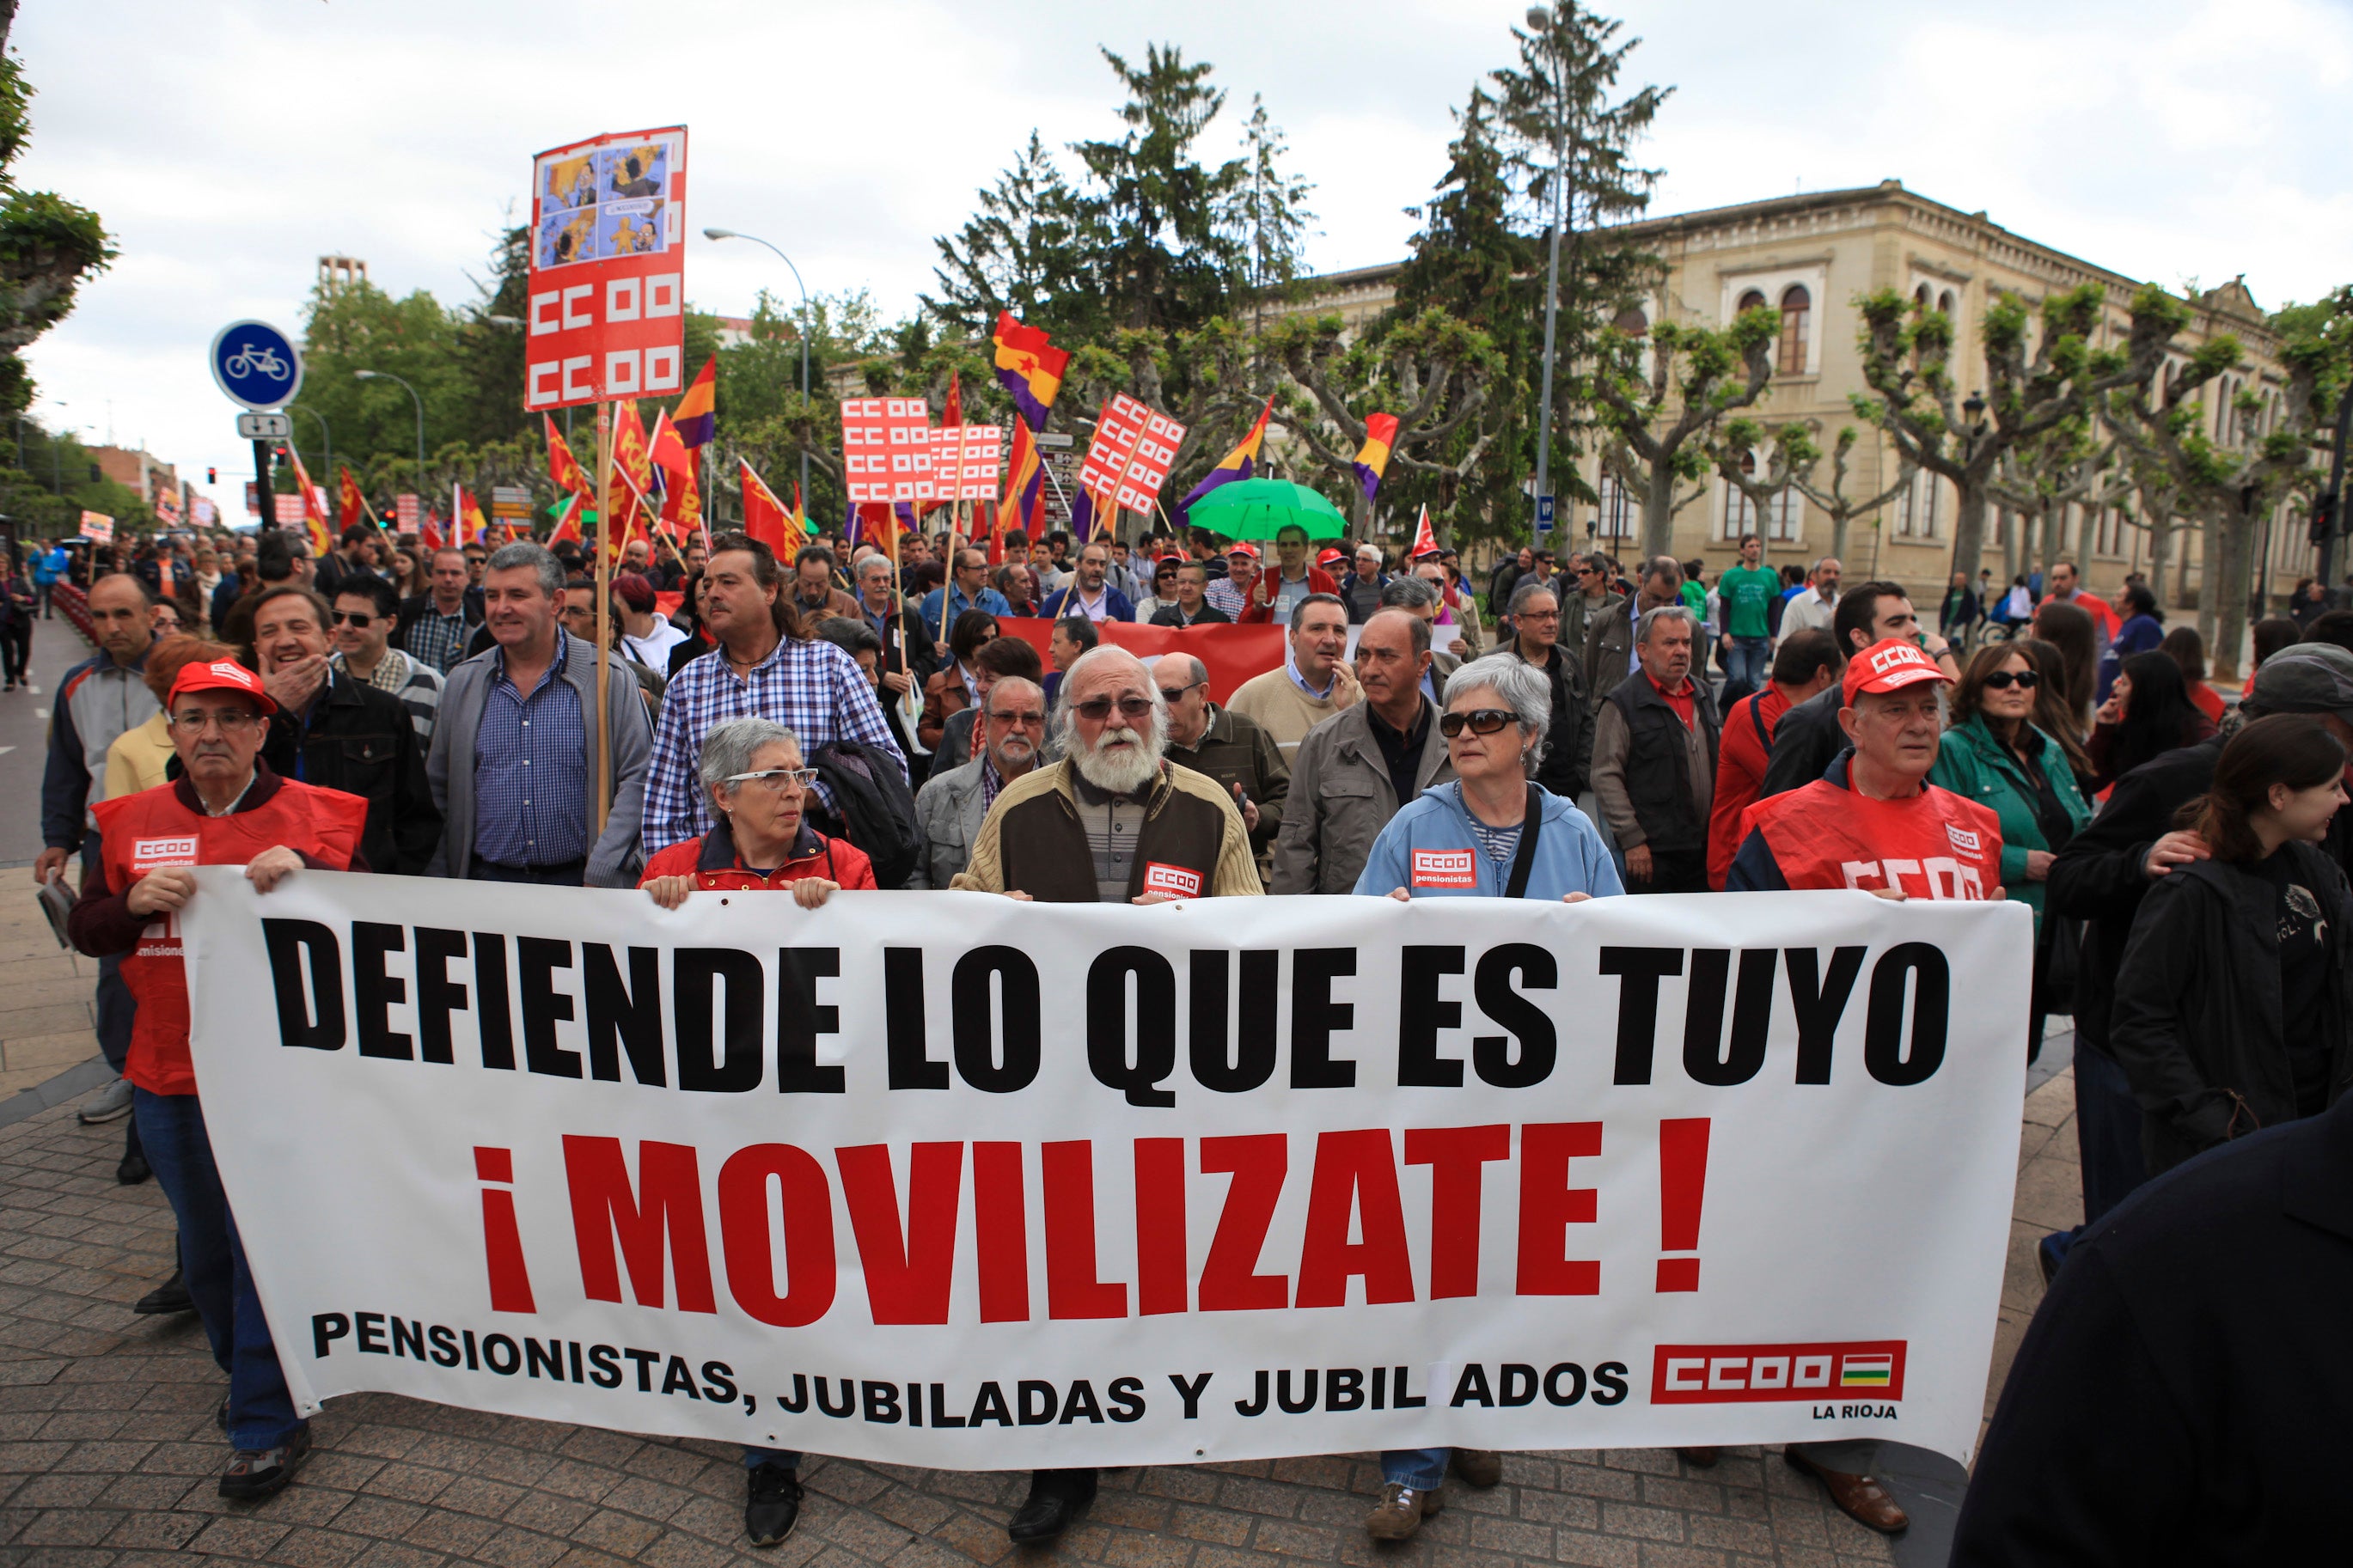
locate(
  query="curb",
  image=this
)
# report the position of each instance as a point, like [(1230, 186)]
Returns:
[(76, 1080)]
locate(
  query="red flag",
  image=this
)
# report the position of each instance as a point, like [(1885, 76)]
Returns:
[(764, 517), (954, 413), (879, 526), (668, 450), (350, 507), (568, 525), (428, 532), (562, 466), (1424, 541)]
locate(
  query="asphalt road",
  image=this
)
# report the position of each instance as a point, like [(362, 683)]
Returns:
[(24, 737)]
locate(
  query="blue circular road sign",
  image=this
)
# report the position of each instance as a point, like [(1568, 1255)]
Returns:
[(257, 364)]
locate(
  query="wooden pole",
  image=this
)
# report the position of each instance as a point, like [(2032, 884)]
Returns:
[(603, 792)]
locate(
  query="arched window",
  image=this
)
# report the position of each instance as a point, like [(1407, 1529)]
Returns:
[(1920, 297), (1748, 301), (1632, 322), (1944, 301), (1797, 311)]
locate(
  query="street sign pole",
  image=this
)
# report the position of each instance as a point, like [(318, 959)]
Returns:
[(262, 494)]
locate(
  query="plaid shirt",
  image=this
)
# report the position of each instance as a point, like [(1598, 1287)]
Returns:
[(1226, 597), (437, 641), (812, 689)]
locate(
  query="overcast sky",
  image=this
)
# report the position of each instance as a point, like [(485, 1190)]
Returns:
[(227, 144)]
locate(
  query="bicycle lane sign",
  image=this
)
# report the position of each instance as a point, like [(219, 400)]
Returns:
[(257, 364)]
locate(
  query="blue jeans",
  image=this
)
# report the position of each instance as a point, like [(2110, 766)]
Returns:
[(754, 1458), (260, 1409), (1746, 666), (1421, 1469)]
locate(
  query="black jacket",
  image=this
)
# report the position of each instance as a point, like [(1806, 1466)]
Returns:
[(2197, 1024), (1174, 615), (1567, 762), (2097, 878), (1805, 742), (360, 740), (2180, 1396), (1658, 766)]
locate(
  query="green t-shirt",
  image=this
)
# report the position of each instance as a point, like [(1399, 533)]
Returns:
[(1744, 592)]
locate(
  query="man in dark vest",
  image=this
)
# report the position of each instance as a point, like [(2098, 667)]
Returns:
[(1112, 822), (1654, 743)]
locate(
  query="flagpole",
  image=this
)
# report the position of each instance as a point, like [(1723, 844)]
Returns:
[(603, 613)]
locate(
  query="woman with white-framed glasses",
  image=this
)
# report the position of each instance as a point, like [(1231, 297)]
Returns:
[(752, 768)]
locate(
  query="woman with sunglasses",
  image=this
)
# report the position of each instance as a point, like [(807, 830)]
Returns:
[(761, 840), (1490, 831), (1993, 753)]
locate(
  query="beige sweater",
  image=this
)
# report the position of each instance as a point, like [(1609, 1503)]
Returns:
[(1286, 713)]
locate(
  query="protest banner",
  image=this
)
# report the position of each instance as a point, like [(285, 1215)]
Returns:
[(968, 462), (951, 1180), (606, 281), (886, 451), (99, 527), (1231, 654), (1127, 462)]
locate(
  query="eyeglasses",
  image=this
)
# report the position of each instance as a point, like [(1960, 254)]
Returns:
[(1095, 709), (778, 781), (1479, 721), (1173, 695), (352, 618), (230, 721), (1537, 615), (2003, 680), (1026, 716)]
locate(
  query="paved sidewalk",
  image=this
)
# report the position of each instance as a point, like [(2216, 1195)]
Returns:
[(108, 1455)]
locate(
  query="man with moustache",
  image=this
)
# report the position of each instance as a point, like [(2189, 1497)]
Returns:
[(951, 808)]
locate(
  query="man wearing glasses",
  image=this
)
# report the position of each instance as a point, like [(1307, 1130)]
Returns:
[(951, 807), (1589, 598), (366, 608), (1228, 747)]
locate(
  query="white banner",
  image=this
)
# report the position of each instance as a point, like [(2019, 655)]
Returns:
[(942, 1179)]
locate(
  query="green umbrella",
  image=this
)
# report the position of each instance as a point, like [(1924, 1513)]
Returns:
[(1259, 508)]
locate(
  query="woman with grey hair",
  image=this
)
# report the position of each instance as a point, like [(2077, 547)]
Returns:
[(752, 770), (1492, 831)]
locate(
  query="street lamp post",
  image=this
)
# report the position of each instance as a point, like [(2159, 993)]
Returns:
[(1538, 19), (387, 376), (731, 234)]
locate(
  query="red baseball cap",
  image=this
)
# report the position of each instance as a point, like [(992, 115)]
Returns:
[(1890, 664), (1328, 555), (225, 676), (1242, 547)]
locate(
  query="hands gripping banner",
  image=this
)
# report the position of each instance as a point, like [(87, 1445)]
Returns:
[(944, 1179)]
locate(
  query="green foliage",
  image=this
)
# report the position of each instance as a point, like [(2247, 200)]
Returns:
[(48, 246)]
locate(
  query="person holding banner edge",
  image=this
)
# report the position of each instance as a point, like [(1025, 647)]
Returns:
[(236, 811)]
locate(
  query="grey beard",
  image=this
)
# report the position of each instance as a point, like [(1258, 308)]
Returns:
[(1121, 770)]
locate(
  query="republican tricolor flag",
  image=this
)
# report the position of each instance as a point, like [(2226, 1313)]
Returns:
[(1239, 464), (1373, 457), (1029, 367)]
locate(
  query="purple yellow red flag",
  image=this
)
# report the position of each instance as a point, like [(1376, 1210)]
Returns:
[(1024, 477), (1029, 366), (1239, 464), (1373, 457), (696, 417), (469, 526)]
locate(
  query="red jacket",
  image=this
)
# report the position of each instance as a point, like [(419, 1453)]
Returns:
[(1318, 581), (167, 826), (712, 862), (1933, 845), (1740, 759)]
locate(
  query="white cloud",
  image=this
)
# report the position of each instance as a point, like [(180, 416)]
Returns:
[(227, 147)]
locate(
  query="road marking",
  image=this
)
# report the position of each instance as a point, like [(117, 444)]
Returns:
[(40, 712), (6, 750)]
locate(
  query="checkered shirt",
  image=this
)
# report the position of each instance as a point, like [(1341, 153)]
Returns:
[(1226, 596), (813, 688), (437, 641)]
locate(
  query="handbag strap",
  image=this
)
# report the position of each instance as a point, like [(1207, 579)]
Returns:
[(1524, 860)]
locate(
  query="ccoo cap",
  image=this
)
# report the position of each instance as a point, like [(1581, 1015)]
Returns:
[(1889, 664), (224, 676)]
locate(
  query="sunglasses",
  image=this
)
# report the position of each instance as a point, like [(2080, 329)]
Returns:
[(352, 618), (1173, 695), (2003, 680), (1479, 721), (1095, 709)]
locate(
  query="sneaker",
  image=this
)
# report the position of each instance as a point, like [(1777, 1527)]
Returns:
[(112, 1103), (256, 1473), (1400, 1511), (772, 1503), (172, 1295), (1481, 1468)]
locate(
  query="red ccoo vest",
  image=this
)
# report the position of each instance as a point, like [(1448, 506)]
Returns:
[(154, 828)]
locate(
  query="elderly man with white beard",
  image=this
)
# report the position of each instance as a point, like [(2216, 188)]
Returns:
[(1112, 822)]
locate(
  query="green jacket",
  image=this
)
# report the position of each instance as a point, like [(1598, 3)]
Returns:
[(1976, 766)]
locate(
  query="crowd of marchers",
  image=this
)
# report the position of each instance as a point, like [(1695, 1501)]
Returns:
[(852, 718)]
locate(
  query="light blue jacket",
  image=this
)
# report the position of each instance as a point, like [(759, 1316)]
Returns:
[(1571, 856)]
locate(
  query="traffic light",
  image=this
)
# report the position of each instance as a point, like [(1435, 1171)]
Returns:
[(212, 474)]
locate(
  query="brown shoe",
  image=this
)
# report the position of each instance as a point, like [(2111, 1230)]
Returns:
[(1702, 1458), (1481, 1468), (1861, 1498), (1399, 1512)]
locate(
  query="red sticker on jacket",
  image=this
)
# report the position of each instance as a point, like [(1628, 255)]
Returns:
[(1174, 880), (1445, 868)]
